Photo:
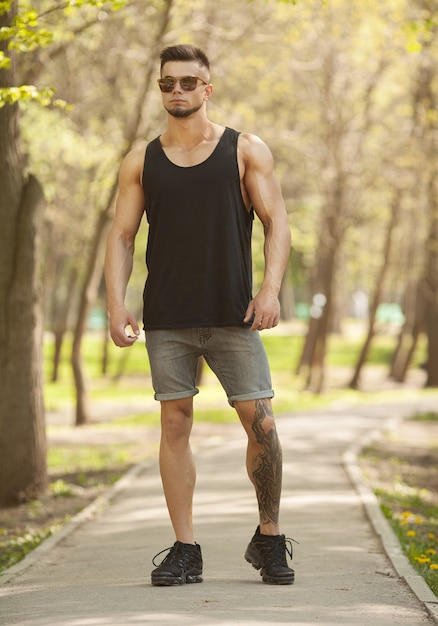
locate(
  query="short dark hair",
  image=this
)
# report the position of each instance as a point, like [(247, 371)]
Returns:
[(184, 52)]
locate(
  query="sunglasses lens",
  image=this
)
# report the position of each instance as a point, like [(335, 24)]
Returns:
[(188, 83), (166, 84)]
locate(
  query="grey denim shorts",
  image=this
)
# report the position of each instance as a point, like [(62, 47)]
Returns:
[(235, 354)]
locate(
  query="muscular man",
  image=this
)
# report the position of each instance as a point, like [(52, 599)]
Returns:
[(200, 184)]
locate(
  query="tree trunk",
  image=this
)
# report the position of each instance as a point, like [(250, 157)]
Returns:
[(380, 281), (88, 296), (314, 349), (60, 322), (286, 296), (409, 334), (431, 286), (105, 347), (23, 471), (424, 117)]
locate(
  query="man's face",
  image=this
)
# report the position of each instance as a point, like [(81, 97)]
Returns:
[(179, 102)]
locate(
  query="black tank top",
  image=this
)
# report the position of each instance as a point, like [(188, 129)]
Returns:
[(199, 245)]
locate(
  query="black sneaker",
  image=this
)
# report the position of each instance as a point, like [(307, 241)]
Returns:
[(182, 565), (268, 554)]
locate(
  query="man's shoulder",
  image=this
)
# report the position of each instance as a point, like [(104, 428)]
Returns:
[(250, 140), (251, 146), (135, 157), (132, 165)]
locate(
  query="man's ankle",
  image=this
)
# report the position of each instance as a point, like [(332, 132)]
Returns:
[(269, 529)]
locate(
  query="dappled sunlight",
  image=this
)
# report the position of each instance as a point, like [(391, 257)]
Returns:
[(319, 499)]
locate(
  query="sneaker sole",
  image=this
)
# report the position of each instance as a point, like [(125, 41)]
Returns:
[(172, 581), (279, 580), (286, 579)]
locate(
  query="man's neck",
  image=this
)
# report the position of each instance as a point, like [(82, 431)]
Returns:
[(186, 143), (188, 131)]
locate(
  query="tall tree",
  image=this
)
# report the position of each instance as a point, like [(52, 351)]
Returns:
[(23, 472), (425, 108), (379, 288), (23, 469)]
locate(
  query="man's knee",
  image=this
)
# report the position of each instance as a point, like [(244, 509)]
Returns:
[(177, 416), (258, 412)]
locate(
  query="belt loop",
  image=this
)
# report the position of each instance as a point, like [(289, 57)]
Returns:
[(204, 335)]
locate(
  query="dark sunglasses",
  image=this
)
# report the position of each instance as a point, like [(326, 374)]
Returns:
[(187, 83)]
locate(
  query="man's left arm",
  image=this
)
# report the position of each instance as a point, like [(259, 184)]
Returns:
[(264, 191)]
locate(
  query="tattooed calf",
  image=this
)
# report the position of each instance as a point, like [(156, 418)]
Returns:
[(267, 472)]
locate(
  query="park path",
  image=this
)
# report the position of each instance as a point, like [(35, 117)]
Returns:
[(97, 571)]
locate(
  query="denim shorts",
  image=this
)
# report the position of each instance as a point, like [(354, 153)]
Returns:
[(235, 354)]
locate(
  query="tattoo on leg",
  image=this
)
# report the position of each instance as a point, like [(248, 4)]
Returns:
[(267, 472)]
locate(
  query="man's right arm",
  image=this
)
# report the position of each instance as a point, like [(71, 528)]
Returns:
[(120, 247)]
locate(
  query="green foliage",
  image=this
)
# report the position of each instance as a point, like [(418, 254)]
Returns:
[(5, 62), (416, 527), (5, 5), (61, 489), (88, 467), (25, 93), (410, 507), (429, 416), (213, 416), (24, 34), (28, 32), (65, 459), (14, 550), (420, 31)]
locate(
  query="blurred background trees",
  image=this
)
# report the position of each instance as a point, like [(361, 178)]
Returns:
[(343, 91)]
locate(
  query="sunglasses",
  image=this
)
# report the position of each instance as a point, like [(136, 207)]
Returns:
[(187, 83)]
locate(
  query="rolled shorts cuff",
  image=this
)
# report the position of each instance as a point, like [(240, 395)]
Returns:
[(255, 395), (179, 395)]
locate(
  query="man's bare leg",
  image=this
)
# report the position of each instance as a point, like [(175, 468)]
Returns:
[(177, 467), (267, 549), (264, 460)]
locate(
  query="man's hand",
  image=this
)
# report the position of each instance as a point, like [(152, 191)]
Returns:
[(122, 325), (265, 308)]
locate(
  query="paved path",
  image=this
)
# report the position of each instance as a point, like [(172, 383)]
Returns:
[(97, 572)]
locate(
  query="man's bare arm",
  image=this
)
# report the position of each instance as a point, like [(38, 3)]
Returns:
[(120, 248), (264, 191)]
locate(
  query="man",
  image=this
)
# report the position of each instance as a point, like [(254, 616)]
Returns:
[(200, 184)]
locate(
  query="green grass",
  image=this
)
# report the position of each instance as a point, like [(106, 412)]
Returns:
[(344, 351), (68, 459), (73, 468), (416, 527), (132, 362), (14, 550), (223, 415), (412, 513), (429, 416)]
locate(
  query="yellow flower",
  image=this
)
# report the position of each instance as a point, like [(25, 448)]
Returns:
[(406, 514), (418, 520), (422, 559), (433, 566), (411, 533), (431, 551), (431, 536)]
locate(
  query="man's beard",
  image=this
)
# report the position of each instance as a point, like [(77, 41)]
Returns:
[(181, 113)]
